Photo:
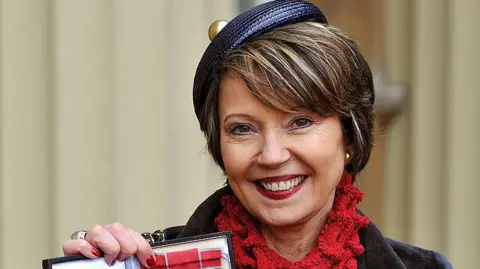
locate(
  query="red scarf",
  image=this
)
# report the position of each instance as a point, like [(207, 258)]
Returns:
[(337, 246)]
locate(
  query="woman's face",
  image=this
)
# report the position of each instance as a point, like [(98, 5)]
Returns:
[(284, 167)]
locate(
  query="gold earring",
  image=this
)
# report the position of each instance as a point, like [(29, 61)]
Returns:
[(347, 156)]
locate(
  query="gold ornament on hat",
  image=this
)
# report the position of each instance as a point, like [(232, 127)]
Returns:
[(215, 28)]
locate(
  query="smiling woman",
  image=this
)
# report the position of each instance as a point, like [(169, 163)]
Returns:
[(285, 101), (288, 112), (268, 156), (273, 169)]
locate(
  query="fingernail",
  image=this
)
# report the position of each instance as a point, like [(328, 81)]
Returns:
[(95, 252), (151, 261), (113, 262)]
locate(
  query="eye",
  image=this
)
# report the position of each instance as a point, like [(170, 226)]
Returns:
[(241, 129), (299, 123)]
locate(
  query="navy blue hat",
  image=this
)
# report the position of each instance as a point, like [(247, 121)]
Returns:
[(242, 28)]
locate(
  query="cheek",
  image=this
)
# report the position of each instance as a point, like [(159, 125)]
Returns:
[(236, 159), (317, 149), (323, 153)]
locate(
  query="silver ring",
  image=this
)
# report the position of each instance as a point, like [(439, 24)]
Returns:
[(79, 235)]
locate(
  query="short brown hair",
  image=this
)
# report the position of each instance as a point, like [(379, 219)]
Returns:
[(306, 65)]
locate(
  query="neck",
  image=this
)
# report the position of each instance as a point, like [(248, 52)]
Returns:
[(296, 241)]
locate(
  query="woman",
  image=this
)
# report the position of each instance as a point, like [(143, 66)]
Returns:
[(286, 104)]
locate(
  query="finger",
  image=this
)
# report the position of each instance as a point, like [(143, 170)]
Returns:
[(144, 253), (78, 246), (101, 239), (128, 246)]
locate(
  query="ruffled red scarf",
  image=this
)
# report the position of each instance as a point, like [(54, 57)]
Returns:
[(337, 246)]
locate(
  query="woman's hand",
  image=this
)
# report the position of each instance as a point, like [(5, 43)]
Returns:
[(115, 241)]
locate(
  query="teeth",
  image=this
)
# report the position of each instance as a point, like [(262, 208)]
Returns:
[(282, 185), (275, 187)]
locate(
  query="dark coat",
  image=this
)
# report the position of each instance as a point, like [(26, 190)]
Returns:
[(380, 252)]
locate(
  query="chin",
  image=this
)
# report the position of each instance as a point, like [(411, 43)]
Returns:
[(282, 217)]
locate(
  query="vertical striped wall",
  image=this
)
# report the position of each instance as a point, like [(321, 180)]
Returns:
[(96, 118), (432, 194)]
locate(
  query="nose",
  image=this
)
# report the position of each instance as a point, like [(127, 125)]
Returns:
[(273, 152)]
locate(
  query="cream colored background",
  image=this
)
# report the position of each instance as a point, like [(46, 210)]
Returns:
[(432, 175), (97, 122), (96, 115)]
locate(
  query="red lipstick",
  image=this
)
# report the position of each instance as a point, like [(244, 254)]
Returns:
[(279, 195)]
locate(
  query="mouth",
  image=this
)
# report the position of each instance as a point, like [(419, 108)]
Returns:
[(284, 185), (280, 189)]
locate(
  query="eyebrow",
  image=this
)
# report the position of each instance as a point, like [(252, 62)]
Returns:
[(239, 115)]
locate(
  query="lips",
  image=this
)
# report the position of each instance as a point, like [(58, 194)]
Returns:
[(282, 185), (278, 188)]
